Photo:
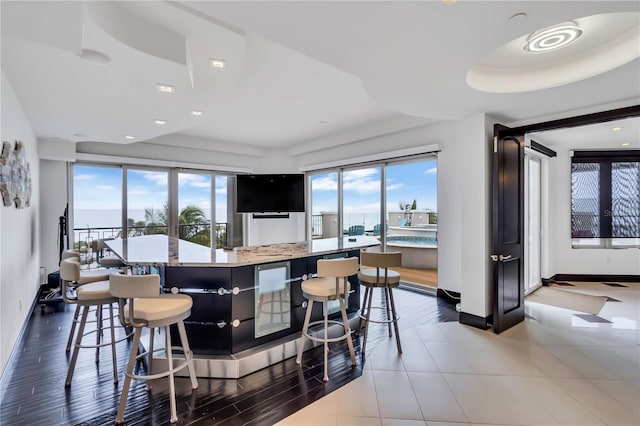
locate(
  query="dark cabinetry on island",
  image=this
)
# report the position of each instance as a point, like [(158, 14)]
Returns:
[(236, 308), (248, 308)]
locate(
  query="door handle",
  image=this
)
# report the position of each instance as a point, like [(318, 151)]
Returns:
[(503, 258)]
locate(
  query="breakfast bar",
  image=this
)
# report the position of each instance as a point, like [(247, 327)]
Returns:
[(248, 308)]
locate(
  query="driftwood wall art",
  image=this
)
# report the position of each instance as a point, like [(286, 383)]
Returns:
[(15, 176)]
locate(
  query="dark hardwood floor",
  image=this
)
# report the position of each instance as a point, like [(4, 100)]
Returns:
[(33, 391)]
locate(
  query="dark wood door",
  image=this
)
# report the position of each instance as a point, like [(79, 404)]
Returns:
[(508, 230)]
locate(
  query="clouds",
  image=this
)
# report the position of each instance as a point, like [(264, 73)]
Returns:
[(194, 180), (431, 171), (362, 181), (84, 177), (158, 178), (325, 182)]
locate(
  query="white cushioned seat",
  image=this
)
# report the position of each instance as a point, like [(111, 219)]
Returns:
[(93, 276), (371, 276), (323, 287), (94, 291), (167, 306)]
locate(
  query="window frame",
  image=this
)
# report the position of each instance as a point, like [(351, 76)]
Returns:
[(605, 160)]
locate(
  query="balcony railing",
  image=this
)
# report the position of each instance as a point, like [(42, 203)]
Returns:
[(196, 233)]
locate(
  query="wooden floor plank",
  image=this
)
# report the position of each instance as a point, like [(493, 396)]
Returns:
[(33, 391)]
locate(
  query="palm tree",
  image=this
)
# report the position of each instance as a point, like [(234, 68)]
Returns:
[(193, 224)]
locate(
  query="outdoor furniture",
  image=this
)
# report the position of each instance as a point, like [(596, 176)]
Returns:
[(356, 230)]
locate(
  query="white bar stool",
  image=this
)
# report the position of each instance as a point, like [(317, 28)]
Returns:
[(87, 295), (332, 283), (85, 277), (379, 276), (142, 305)]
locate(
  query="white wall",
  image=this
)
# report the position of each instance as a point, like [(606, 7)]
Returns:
[(272, 231), (53, 200), (19, 236), (463, 185), (562, 258)]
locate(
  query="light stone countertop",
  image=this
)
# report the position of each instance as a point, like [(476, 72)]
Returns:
[(163, 250)]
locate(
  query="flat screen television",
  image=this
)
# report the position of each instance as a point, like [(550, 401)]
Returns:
[(272, 193)]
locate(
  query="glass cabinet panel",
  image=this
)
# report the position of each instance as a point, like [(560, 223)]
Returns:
[(272, 298)]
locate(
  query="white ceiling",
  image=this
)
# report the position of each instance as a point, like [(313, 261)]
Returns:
[(298, 73)]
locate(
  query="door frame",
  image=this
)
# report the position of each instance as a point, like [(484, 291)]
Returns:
[(581, 120)]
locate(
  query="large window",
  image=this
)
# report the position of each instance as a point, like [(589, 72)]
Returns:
[(605, 199), (117, 201), (393, 201)]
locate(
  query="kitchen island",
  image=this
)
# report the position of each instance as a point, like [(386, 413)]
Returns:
[(248, 307)]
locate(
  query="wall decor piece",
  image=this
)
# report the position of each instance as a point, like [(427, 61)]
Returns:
[(15, 176)]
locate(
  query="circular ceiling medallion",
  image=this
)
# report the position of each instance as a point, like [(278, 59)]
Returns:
[(565, 53), (553, 38)]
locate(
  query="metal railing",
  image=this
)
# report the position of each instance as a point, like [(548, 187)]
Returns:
[(316, 226)]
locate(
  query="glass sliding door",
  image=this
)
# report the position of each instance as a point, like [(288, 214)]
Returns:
[(223, 211), (147, 202), (194, 207), (97, 208), (324, 205), (533, 223), (412, 218), (361, 195)]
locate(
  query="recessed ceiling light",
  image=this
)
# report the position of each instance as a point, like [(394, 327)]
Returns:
[(616, 129), (196, 112), (129, 137), (553, 38), (626, 144), (217, 63), (158, 121), (165, 88)]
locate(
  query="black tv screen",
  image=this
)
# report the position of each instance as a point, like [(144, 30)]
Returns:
[(270, 193)]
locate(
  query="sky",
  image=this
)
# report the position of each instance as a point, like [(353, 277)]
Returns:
[(99, 188), (405, 182)]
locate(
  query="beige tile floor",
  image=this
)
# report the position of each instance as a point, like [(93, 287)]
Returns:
[(554, 369)]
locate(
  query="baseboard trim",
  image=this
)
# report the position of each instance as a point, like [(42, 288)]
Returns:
[(23, 329), (482, 323), (451, 296), (591, 277)]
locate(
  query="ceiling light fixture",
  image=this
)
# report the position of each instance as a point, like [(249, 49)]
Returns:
[(626, 144), (553, 38), (616, 129), (165, 88), (159, 121), (196, 112), (217, 63), (129, 137)]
